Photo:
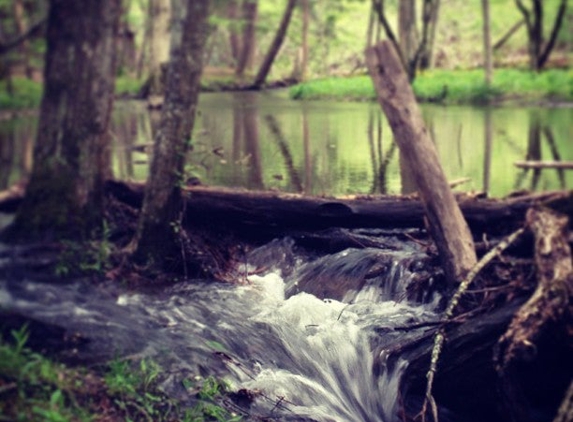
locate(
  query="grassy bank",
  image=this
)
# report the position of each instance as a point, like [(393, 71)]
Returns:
[(36, 388), (452, 87), (441, 86)]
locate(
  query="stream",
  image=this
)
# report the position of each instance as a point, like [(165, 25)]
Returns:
[(309, 357)]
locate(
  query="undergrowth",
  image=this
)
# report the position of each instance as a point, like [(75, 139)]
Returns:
[(36, 388)]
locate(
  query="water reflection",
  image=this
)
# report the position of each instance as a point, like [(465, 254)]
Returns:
[(267, 141)]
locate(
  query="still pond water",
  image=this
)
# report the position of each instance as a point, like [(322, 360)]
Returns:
[(267, 141)]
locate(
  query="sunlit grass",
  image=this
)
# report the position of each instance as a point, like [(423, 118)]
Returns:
[(453, 87), (358, 88), (37, 389)]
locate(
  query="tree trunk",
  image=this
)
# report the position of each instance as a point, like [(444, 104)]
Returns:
[(427, 55), (159, 16), (488, 62), (275, 45), (407, 31), (250, 13), (305, 23), (20, 23), (447, 225), (232, 15), (157, 239), (538, 52), (64, 197)]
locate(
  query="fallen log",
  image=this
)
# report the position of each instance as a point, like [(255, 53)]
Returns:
[(567, 165), (281, 211)]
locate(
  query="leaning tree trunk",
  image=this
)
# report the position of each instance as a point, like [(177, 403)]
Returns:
[(275, 45), (447, 225), (64, 197), (157, 237)]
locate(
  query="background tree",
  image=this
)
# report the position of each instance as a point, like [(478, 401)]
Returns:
[(407, 30), (159, 36), (248, 39), (538, 49), (487, 49), (158, 237), (64, 197), (275, 46), (429, 17)]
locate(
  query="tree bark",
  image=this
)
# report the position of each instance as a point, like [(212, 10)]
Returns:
[(159, 16), (158, 236), (487, 50), (546, 315), (407, 30), (275, 45), (20, 22), (305, 22), (538, 51), (247, 51), (64, 198), (232, 15), (447, 225), (427, 54)]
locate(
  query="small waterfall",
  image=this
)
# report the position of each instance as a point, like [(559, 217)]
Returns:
[(307, 335)]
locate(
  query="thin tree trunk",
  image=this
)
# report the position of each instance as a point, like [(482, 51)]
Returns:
[(488, 61), (160, 15), (407, 31), (232, 15), (427, 56), (305, 23), (499, 43), (64, 198), (250, 13), (544, 56), (275, 45), (20, 22), (158, 239), (447, 225)]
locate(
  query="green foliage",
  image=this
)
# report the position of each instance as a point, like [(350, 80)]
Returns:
[(209, 393), (452, 87), (33, 387), (81, 258), (26, 94), (127, 86), (36, 389)]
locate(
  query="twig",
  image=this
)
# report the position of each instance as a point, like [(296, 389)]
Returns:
[(440, 335)]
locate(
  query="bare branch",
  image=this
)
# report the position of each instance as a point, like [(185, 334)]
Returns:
[(30, 32)]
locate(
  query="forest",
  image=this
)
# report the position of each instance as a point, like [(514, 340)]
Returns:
[(314, 210)]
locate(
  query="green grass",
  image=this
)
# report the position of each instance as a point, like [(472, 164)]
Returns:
[(452, 87), (358, 88), (34, 388)]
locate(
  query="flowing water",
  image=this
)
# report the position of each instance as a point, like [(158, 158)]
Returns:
[(308, 356)]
